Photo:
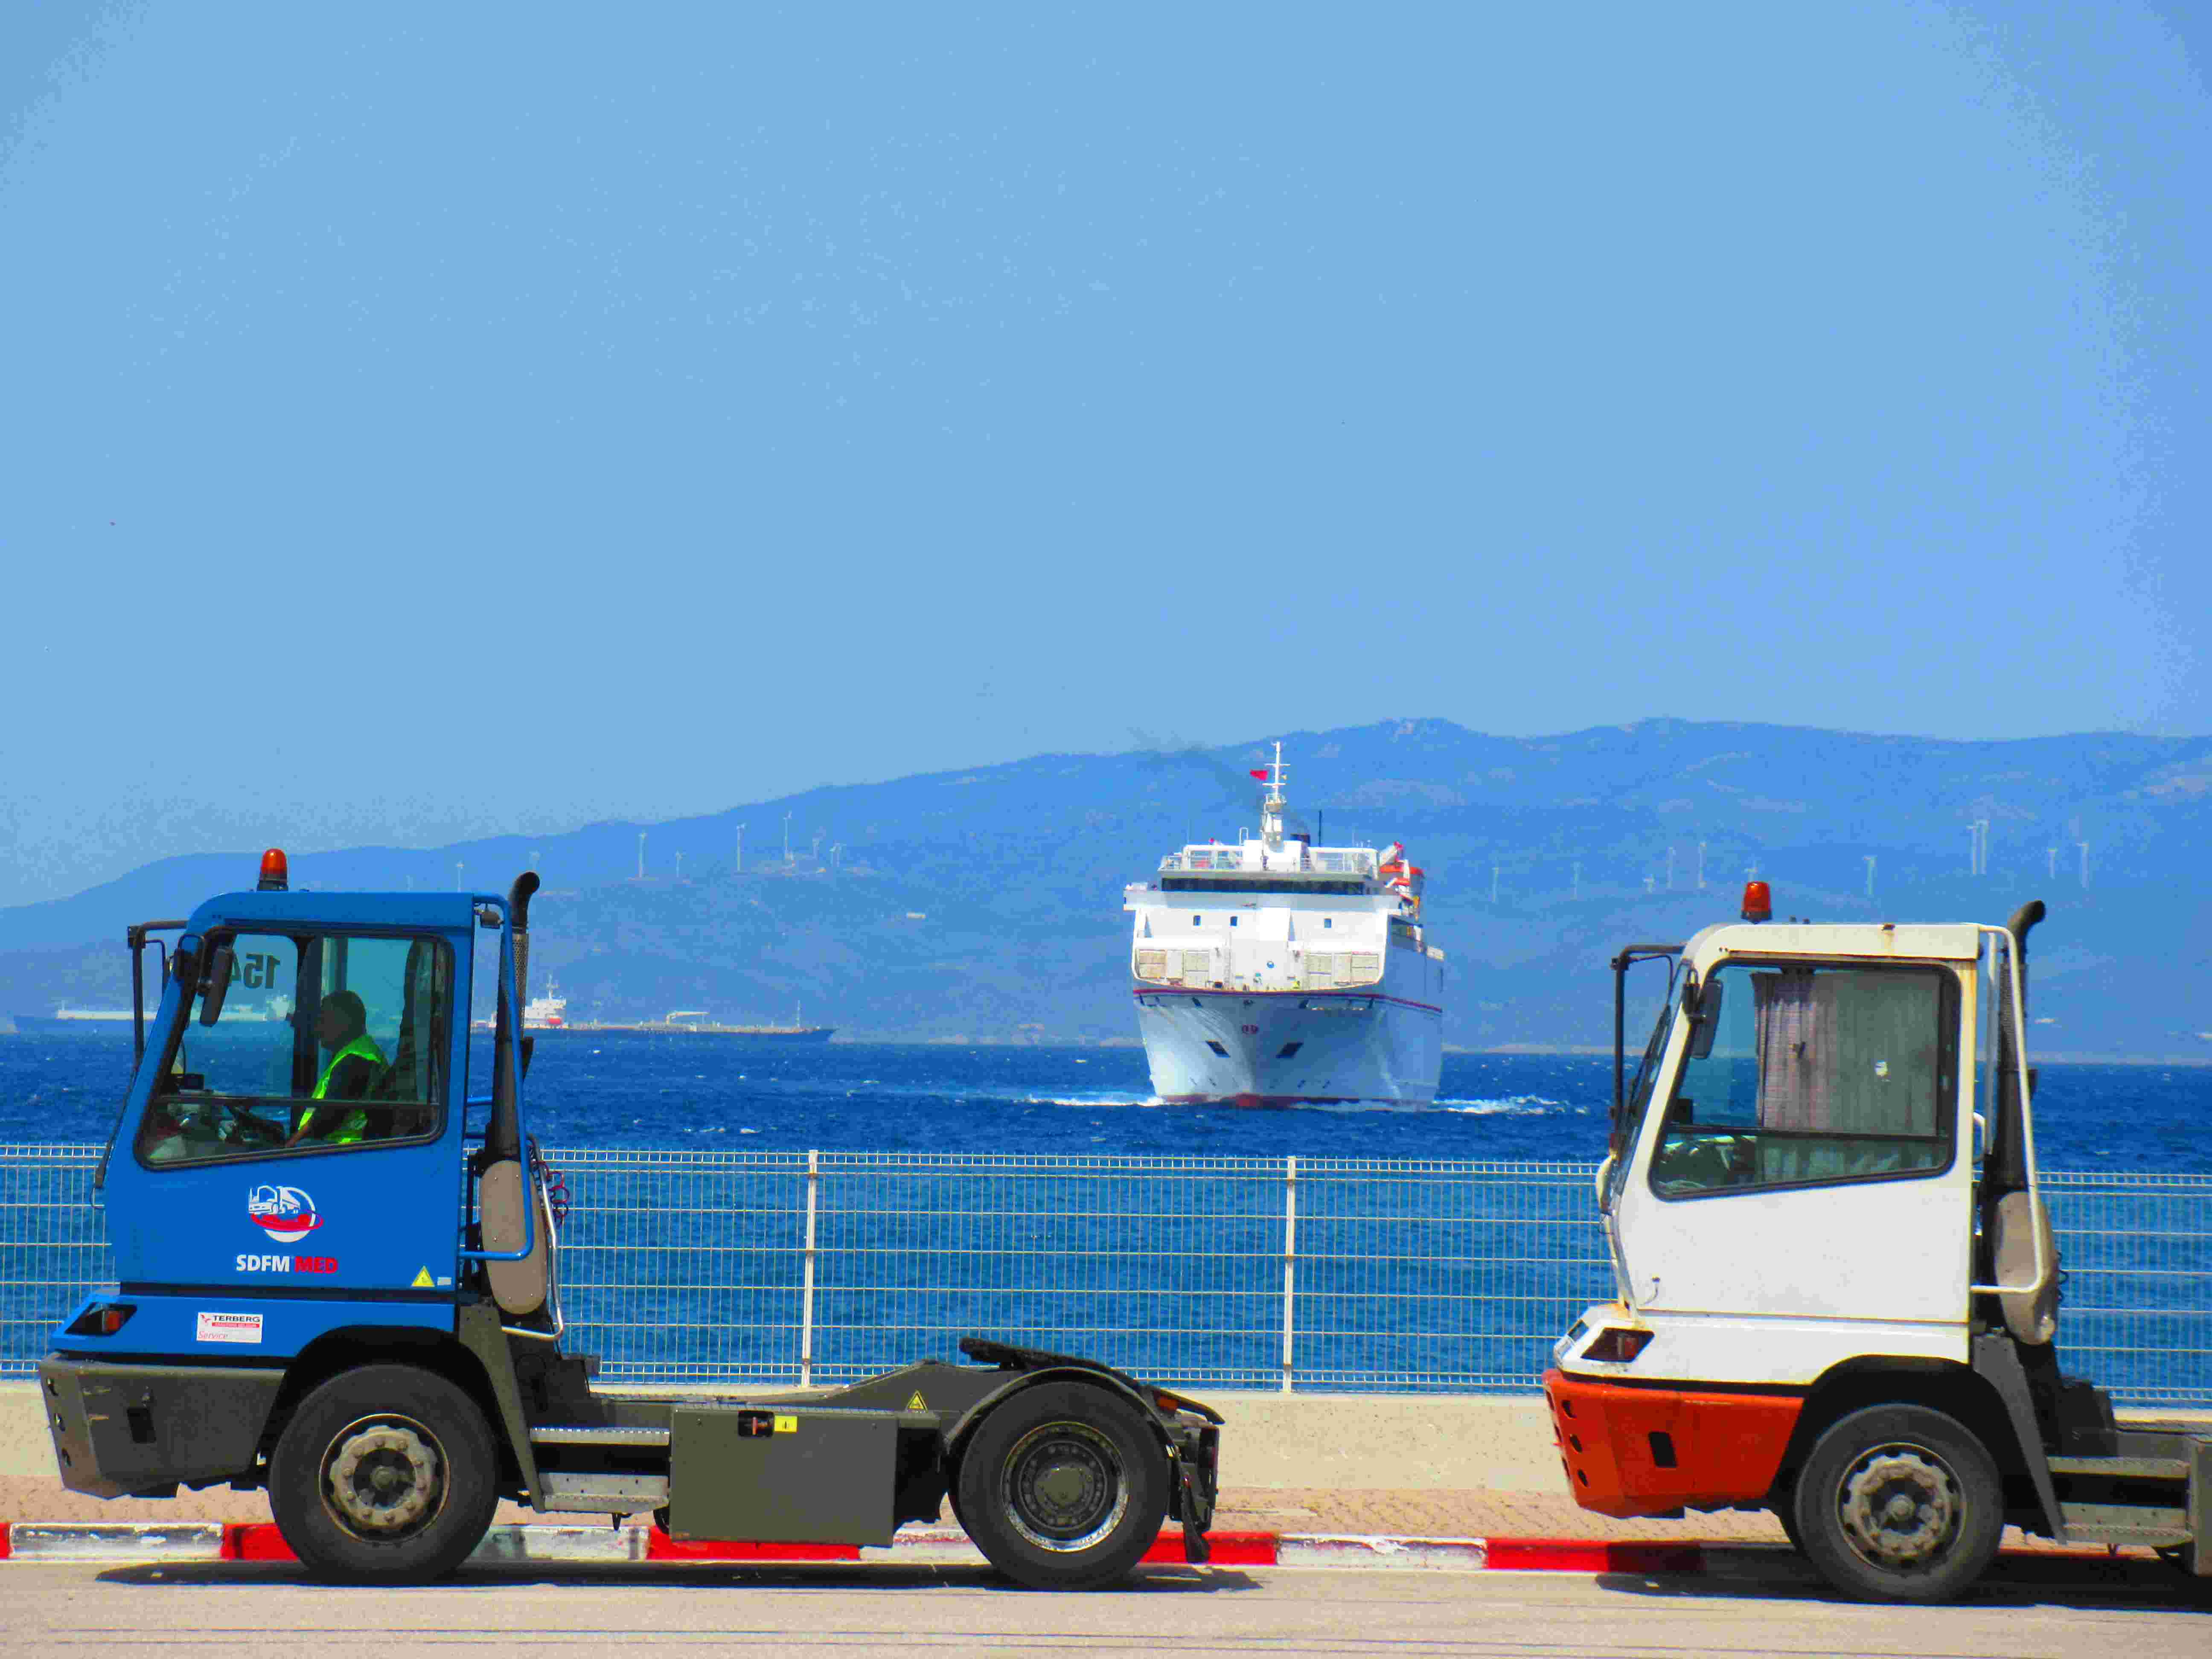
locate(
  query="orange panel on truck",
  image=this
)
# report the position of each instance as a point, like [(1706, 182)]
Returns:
[(1649, 1451)]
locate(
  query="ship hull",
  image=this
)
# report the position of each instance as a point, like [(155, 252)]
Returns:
[(1228, 1048), (44, 1023)]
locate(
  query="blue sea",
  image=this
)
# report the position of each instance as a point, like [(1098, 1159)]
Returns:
[(1421, 1281), (636, 1090)]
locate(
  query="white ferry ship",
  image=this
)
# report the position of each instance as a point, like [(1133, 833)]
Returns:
[(1272, 972)]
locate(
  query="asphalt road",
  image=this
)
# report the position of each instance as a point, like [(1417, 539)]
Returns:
[(2142, 1611)]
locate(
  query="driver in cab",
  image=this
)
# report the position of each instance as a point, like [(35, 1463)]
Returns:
[(356, 1063)]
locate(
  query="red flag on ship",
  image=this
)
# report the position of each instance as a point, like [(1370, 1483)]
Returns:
[(1260, 773)]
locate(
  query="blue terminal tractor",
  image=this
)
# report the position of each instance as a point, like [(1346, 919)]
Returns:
[(338, 1279)]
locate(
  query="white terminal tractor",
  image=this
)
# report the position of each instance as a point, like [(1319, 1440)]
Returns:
[(1837, 1288)]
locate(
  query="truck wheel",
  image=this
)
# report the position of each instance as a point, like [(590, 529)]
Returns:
[(1788, 1517), (1900, 1503), (385, 1475), (1785, 1511), (1063, 1487)]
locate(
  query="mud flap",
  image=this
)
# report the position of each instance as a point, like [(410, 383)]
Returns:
[(1995, 1358), (1197, 1468)]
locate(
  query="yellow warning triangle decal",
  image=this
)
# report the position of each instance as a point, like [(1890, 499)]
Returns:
[(914, 1402), (422, 1281)]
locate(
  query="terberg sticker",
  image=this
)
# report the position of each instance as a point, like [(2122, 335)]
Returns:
[(286, 1214), (228, 1328)]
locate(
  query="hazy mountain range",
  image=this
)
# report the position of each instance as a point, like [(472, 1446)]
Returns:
[(985, 905)]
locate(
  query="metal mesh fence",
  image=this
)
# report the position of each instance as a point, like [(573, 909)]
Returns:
[(1438, 1276), (683, 1266), (53, 1246), (2135, 1314), (1171, 1268), (1233, 1273)]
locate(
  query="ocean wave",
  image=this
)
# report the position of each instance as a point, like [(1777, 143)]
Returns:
[(1508, 1106)]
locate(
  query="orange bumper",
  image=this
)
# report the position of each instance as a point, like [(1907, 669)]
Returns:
[(1653, 1450)]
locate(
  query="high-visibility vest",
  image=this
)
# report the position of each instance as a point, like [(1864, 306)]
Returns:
[(355, 1122)]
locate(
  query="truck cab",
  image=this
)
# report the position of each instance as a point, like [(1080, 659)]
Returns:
[(1836, 1286), (338, 1272)]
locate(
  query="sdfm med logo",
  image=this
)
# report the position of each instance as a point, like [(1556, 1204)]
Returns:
[(286, 1214)]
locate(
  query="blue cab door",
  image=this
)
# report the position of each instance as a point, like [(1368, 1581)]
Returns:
[(298, 1157)]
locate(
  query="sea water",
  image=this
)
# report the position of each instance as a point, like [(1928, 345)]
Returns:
[(1132, 1265), (650, 1089)]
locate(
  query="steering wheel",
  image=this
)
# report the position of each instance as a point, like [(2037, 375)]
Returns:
[(245, 1129)]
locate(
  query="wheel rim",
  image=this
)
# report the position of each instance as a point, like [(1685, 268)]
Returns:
[(383, 1478), (1065, 1487), (1901, 1507)]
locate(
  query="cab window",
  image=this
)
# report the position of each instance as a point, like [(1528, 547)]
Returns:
[(1799, 1075), (324, 1042)]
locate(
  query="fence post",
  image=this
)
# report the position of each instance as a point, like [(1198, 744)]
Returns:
[(806, 1270), (1289, 1264)]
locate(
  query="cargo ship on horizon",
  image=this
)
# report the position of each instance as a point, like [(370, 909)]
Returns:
[(65, 1018), (549, 1012)]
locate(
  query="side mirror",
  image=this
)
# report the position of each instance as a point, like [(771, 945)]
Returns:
[(215, 983), (1705, 1017)]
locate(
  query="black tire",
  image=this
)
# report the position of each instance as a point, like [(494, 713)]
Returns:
[(1063, 1487), (1785, 1511), (386, 1475), (1900, 1503)]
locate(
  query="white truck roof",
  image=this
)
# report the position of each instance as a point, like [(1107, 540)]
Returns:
[(1912, 941)]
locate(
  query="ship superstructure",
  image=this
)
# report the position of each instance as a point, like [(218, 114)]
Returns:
[(1268, 971)]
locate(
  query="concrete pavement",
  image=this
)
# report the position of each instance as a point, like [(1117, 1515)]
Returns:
[(251, 1610)]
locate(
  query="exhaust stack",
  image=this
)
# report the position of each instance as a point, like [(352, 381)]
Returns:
[(504, 1133)]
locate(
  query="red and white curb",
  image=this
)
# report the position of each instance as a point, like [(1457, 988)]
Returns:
[(543, 1543)]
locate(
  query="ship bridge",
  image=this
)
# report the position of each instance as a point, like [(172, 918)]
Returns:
[(1225, 917), (1254, 867)]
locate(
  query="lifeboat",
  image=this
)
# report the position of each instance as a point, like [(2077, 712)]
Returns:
[(1404, 878)]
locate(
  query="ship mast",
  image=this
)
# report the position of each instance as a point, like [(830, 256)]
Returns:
[(1271, 809)]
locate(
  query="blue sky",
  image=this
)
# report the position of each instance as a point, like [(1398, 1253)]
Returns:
[(420, 422)]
